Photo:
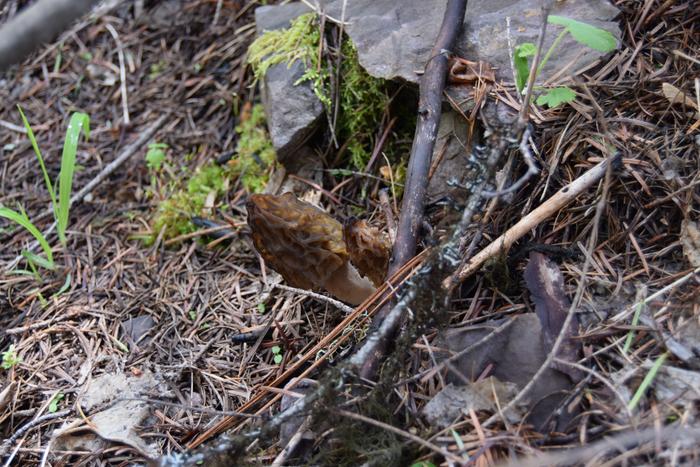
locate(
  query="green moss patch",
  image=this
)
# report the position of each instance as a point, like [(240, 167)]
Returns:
[(184, 197), (298, 42), (362, 98)]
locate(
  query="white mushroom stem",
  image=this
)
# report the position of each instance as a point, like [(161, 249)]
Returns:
[(347, 285)]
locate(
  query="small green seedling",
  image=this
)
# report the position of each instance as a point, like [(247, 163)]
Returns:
[(61, 203), (53, 405), (10, 358), (120, 345), (590, 36), (277, 352), (155, 155), (261, 307)]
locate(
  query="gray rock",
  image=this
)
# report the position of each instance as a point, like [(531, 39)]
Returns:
[(394, 39), (293, 111), (451, 154), (271, 17)]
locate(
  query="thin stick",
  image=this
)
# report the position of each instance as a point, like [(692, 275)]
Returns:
[(432, 85), (557, 201), (600, 378), (36, 24), (122, 71), (563, 333), (29, 425), (307, 293), (622, 441)]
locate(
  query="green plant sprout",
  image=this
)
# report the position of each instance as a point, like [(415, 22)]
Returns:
[(10, 358), (190, 194), (155, 155), (277, 352), (61, 203), (53, 405), (590, 36)]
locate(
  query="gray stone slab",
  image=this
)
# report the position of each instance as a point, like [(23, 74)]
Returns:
[(293, 111), (394, 39)]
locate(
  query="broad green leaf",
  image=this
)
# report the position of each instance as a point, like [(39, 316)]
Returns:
[(24, 221), (556, 96), (276, 349), (588, 35), (521, 65), (32, 139), (78, 121), (278, 359)]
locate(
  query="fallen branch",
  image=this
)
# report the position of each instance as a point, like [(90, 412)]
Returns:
[(37, 24), (621, 442), (560, 199), (432, 85)]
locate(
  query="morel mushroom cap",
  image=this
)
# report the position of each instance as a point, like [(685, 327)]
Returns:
[(305, 245), (369, 249)]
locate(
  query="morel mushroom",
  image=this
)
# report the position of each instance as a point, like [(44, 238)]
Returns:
[(305, 245), (369, 250)]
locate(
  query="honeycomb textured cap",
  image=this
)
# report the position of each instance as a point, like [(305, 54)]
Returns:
[(369, 250), (296, 239)]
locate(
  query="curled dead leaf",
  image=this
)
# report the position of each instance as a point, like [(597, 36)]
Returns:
[(467, 72)]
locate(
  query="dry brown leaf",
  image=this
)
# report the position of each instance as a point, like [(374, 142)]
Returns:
[(514, 355), (115, 420), (690, 239), (453, 400), (676, 96), (546, 285)]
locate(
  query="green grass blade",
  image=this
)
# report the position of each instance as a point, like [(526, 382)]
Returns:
[(37, 260), (32, 139), (646, 382), (635, 321), (78, 121), (24, 221), (64, 287)]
